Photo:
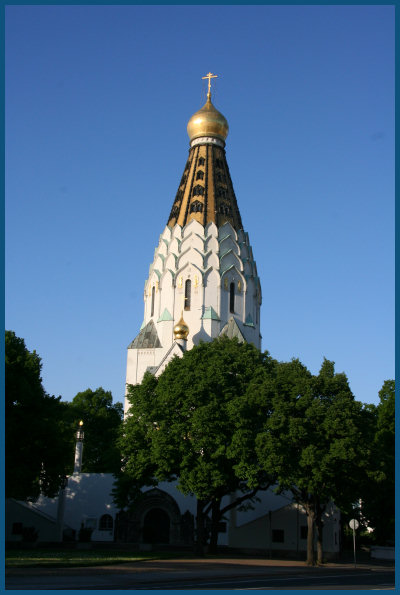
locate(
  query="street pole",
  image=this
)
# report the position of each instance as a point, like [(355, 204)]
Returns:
[(354, 524)]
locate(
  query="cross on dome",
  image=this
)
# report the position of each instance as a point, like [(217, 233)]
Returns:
[(209, 76)]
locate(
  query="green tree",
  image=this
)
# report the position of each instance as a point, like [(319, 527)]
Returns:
[(36, 437), (101, 423), (185, 426), (378, 495), (313, 441)]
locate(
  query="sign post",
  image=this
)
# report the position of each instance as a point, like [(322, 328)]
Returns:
[(354, 524)]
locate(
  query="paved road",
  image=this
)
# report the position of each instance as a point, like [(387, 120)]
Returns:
[(197, 574)]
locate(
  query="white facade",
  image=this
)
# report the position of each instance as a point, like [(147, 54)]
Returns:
[(87, 500), (275, 523)]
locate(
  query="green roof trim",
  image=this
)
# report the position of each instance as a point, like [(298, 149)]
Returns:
[(210, 314), (165, 316)]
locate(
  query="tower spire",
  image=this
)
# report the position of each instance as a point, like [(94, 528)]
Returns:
[(204, 259)]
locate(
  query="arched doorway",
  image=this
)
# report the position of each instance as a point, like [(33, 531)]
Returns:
[(156, 526)]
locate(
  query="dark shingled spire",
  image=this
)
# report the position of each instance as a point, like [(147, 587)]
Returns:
[(205, 192)]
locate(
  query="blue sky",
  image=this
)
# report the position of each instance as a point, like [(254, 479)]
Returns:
[(97, 102)]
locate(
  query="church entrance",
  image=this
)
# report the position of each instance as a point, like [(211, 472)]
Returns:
[(156, 526)]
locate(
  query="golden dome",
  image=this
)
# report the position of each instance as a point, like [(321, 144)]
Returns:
[(181, 329), (208, 121)]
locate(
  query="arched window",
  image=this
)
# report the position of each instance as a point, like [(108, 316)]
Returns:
[(106, 523), (153, 293), (196, 207), (202, 161), (188, 290), (225, 209), (198, 190), (232, 297), (200, 175), (221, 192)]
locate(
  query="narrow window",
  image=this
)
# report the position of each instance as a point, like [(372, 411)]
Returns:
[(202, 161), (153, 292), (174, 212), (188, 287), (200, 175), (232, 297)]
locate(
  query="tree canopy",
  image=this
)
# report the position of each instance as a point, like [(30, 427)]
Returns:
[(36, 436), (378, 487), (226, 418), (40, 429), (313, 440), (101, 423), (182, 426)]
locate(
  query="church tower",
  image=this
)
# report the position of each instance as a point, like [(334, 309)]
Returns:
[(203, 276)]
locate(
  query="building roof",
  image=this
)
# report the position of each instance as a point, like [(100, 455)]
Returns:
[(231, 329), (147, 338)]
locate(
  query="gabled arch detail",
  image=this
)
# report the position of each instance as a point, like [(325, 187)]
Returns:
[(228, 260), (226, 230), (181, 271)]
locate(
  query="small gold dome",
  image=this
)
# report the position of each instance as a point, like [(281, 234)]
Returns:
[(208, 122), (181, 330)]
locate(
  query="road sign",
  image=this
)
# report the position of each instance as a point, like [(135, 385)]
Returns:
[(354, 524)]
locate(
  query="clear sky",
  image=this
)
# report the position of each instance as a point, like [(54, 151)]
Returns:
[(97, 102)]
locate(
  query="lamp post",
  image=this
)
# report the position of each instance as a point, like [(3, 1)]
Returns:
[(80, 434)]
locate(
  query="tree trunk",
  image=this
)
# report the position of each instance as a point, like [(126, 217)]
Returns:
[(199, 546), (319, 526), (320, 552), (310, 536), (215, 518)]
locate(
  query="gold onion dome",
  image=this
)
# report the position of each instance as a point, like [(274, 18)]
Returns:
[(181, 329), (208, 121)]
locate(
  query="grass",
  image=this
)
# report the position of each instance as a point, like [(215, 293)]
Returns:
[(47, 558)]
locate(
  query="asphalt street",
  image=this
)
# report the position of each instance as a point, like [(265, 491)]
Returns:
[(197, 574)]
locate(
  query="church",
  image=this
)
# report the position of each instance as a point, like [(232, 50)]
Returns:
[(202, 284), (203, 280)]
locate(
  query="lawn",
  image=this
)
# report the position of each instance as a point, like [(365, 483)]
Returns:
[(66, 558)]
